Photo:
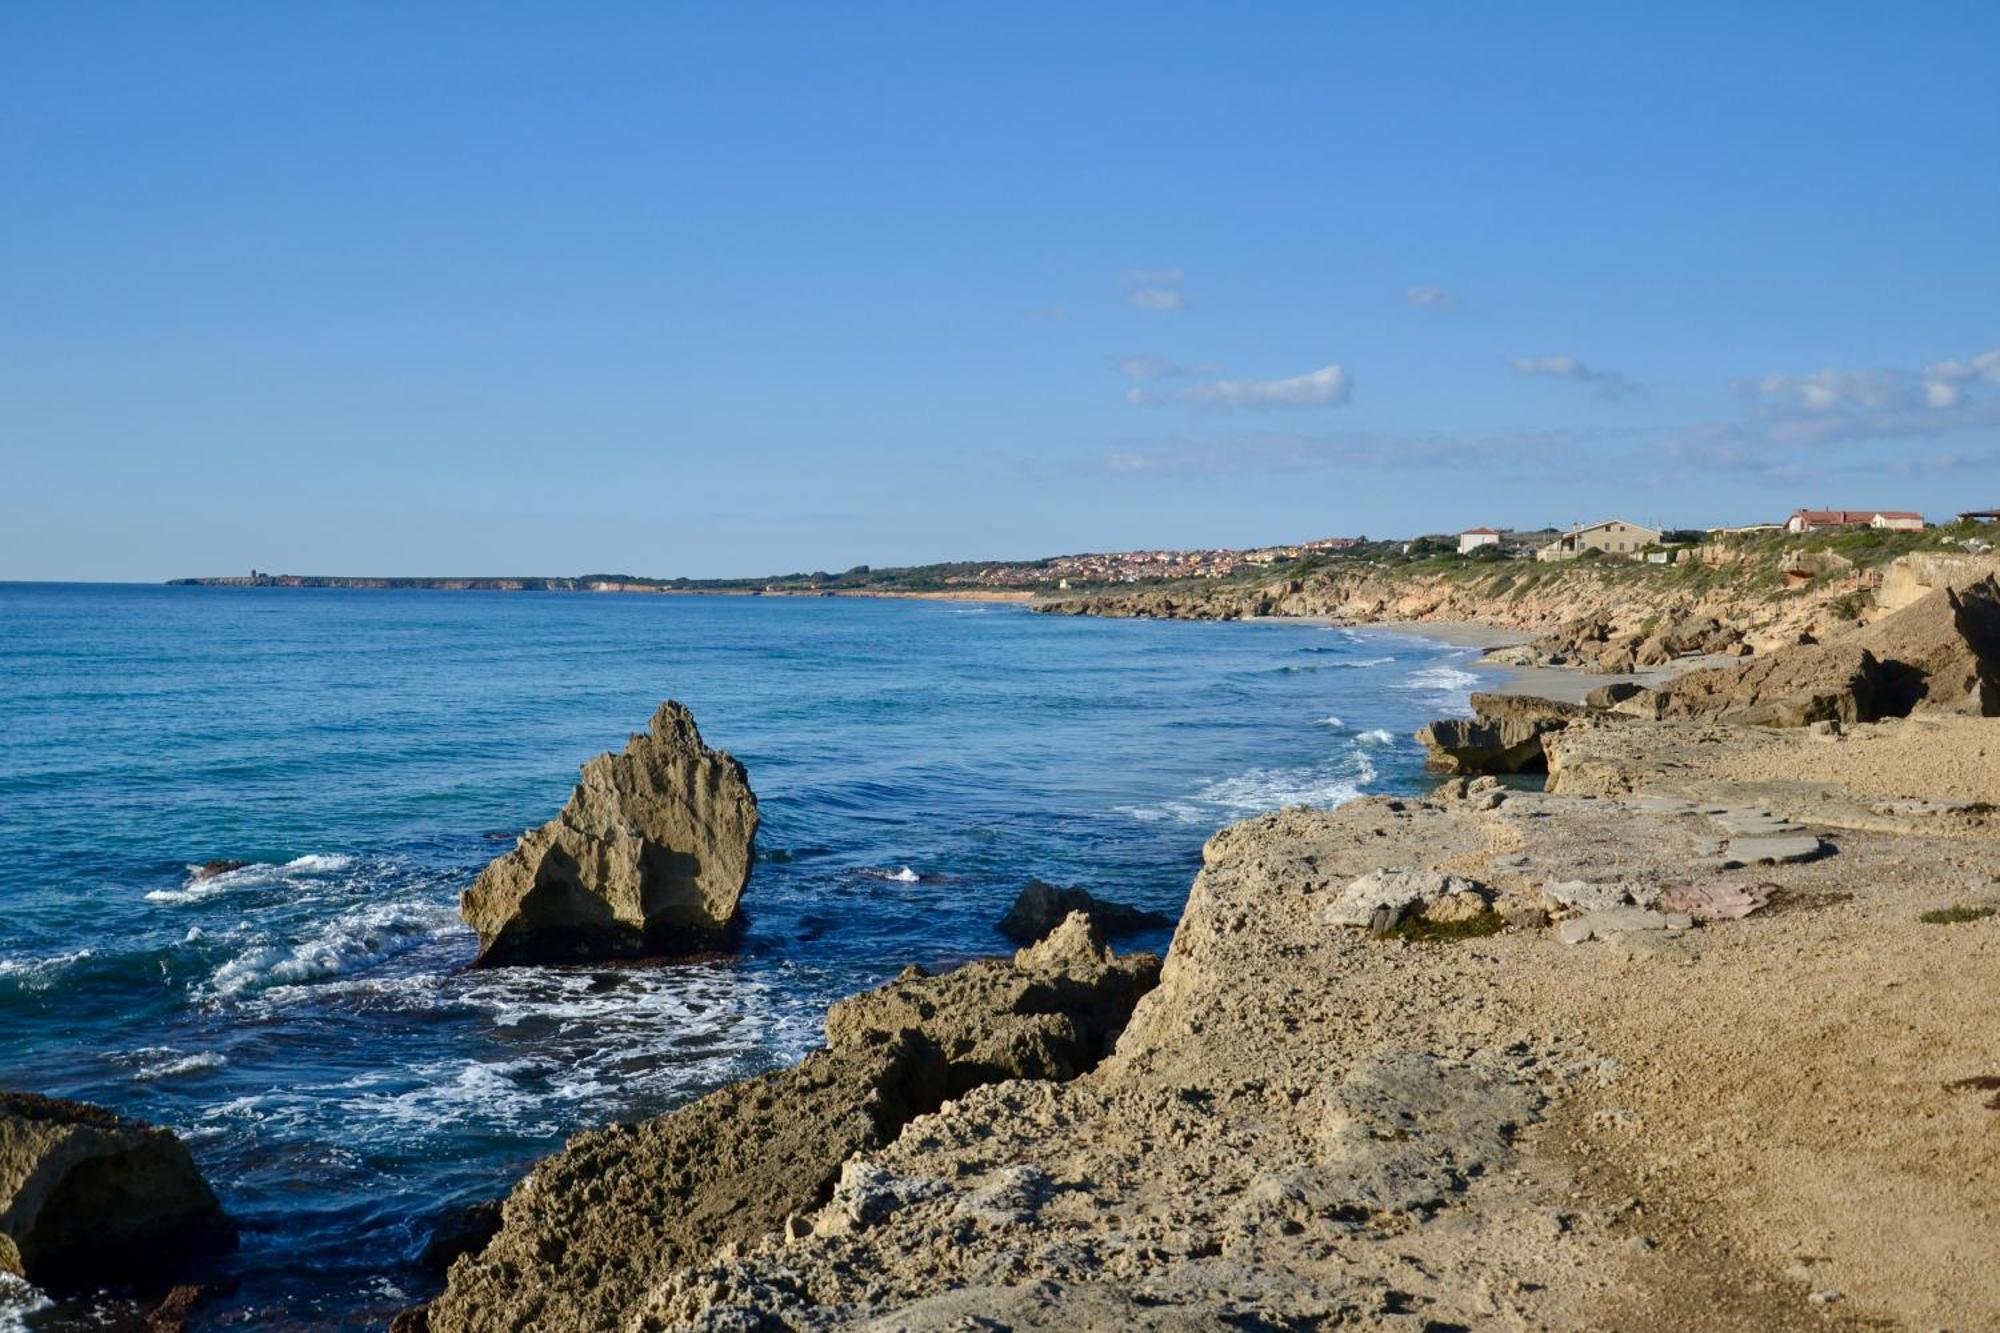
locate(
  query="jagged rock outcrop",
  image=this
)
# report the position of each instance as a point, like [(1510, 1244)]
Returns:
[(1941, 653), (586, 1236), (649, 857), (1041, 907), (90, 1199), (1504, 735)]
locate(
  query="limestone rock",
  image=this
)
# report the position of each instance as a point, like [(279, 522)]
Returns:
[(1613, 694), (1585, 896), (650, 856), (590, 1233), (1940, 653), (1041, 907), (1776, 849), (1380, 898), (1614, 921), (88, 1198), (1504, 735)]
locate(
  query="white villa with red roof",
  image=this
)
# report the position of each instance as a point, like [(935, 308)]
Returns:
[(1812, 520), (1473, 538)]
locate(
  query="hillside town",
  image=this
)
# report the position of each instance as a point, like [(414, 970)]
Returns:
[(1614, 538)]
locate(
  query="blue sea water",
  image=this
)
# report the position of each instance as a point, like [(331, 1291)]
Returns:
[(309, 1023)]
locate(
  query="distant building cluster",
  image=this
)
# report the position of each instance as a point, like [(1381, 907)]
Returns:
[(1621, 539), (1611, 538), (1098, 567)]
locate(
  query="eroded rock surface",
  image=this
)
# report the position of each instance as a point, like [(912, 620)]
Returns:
[(1941, 653), (588, 1234), (1505, 734), (89, 1198), (650, 856)]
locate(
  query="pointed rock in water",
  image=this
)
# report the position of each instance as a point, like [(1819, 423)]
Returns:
[(649, 857), (90, 1199)]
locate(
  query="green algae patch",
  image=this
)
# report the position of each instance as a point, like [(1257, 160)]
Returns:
[(1423, 930), (1952, 916)]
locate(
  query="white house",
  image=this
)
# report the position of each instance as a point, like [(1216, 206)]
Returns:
[(1612, 537), (1473, 538), (1895, 520)]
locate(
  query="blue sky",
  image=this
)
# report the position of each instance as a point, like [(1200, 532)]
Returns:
[(688, 289)]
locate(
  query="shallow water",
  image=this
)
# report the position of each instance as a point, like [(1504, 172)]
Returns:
[(308, 1022)]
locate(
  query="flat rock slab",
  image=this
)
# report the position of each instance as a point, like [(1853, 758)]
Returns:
[(1721, 901), (1754, 823), (1585, 896), (1660, 805), (1922, 807), (1618, 921), (1777, 850)]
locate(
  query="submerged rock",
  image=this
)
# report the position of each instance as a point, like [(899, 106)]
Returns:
[(649, 857), (90, 1199), (1041, 907), (210, 869), (590, 1233)]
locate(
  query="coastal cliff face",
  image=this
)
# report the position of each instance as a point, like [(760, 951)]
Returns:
[(650, 856), (1607, 616)]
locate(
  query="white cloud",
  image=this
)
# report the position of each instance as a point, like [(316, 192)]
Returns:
[(1329, 386), (1946, 382), (1155, 289), (1430, 296), (1827, 390), (1608, 383), (1834, 404)]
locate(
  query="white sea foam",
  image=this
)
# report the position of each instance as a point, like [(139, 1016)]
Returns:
[(260, 875), (19, 1301), (349, 942), (1331, 722), (157, 1062), (901, 875), (1261, 789), (1441, 677), (1376, 737), (40, 973)]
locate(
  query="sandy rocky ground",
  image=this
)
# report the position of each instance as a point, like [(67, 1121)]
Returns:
[(1668, 1045)]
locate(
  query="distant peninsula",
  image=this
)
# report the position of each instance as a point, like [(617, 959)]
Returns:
[(1058, 573)]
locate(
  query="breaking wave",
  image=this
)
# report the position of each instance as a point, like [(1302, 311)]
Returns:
[(260, 875), (354, 940)]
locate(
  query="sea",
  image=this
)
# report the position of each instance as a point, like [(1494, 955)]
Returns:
[(309, 1023)]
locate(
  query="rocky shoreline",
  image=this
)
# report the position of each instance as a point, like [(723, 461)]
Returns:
[(1681, 1041), (1694, 1032)]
